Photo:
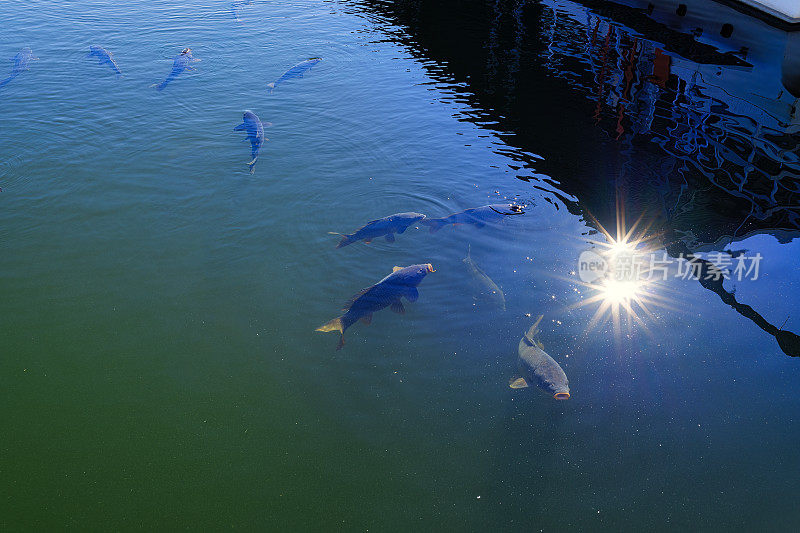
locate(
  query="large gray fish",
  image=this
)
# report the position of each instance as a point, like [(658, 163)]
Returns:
[(401, 283), (477, 216), (297, 71), (485, 285), (180, 63), (382, 227), (20, 64), (104, 57), (538, 368), (252, 125)]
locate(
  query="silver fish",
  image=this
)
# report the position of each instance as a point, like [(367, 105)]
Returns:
[(538, 368), (483, 283)]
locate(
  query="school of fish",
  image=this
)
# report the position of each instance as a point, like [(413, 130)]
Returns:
[(536, 366)]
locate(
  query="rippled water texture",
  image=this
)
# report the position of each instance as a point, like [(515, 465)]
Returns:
[(159, 366)]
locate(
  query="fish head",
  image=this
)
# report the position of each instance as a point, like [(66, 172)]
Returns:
[(412, 275), (508, 209), (186, 51), (560, 391), (556, 388)]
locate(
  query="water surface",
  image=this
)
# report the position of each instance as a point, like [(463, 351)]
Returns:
[(159, 362)]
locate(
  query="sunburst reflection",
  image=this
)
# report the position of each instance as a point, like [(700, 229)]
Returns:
[(626, 290)]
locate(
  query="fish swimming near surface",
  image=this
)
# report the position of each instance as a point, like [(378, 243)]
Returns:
[(383, 227), (104, 57), (538, 368), (296, 71), (238, 4), (19, 65), (477, 216), (401, 283), (487, 287), (252, 125), (180, 63)]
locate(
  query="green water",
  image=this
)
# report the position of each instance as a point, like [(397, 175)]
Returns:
[(159, 367)]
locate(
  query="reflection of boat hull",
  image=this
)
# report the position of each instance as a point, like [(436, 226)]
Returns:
[(785, 11), (783, 14), (729, 30)]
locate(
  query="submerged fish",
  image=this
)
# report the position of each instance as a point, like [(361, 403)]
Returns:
[(20, 64), (104, 57), (252, 125), (477, 216), (402, 282), (235, 8), (382, 227), (296, 71), (487, 287), (539, 368), (180, 63)]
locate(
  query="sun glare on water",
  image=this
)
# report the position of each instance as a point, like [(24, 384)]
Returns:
[(623, 296)]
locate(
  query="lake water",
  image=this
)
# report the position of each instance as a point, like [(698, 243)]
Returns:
[(159, 366)]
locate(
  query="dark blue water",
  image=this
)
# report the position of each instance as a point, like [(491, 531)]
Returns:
[(159, 366)]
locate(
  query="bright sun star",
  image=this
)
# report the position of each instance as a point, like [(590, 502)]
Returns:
[(625, 290)]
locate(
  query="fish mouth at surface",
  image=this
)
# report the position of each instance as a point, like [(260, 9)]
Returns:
[(561, 396), (429, 267)]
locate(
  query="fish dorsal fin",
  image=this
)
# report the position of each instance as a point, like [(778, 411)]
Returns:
[(396, 268), (517, 383)]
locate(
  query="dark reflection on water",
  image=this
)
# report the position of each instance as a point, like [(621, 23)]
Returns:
[(699, 139)]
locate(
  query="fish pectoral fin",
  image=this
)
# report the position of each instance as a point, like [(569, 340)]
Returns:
[(396, 268), (367, 320), (390, 237), (517, 383), (397, 307), (412, 294)]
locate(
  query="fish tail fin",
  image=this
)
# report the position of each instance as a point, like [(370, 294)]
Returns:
[(270, 87), (434, 223), (534, 329), (332, 325), (345, 239)]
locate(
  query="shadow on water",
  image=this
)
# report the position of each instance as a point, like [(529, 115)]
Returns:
[(690, 118)]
